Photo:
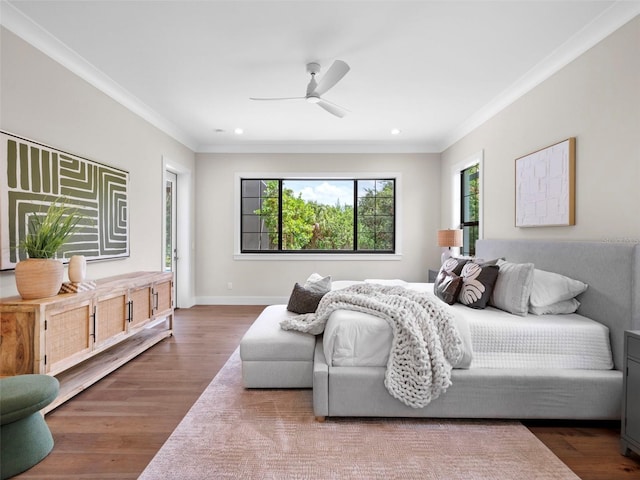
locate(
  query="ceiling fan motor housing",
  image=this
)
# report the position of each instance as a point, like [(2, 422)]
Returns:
[(313, 68)]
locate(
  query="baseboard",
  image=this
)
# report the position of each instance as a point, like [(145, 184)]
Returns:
[(237, 300), (188, 303)]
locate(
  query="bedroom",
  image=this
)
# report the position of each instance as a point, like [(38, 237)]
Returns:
[(593, 98)]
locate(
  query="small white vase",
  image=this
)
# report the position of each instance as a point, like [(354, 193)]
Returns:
[(77, 268)]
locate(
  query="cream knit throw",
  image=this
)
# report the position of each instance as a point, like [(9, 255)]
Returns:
[(425, 340)]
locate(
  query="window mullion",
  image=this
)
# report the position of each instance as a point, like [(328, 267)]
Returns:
[(355, 215), (280, 224)]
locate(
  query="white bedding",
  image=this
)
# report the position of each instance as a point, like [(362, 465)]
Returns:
[(498, 339), (502, 340)]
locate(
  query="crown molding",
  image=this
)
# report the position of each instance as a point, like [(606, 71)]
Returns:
[(601, 27), (610, 20), (314, 147), (32, 33)]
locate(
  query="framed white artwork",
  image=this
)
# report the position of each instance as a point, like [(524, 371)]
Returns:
[(545, 186)]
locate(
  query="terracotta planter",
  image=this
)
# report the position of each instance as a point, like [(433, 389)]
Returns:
[(39, 277)]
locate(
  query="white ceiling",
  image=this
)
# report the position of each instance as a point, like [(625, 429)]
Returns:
[(433, 69)]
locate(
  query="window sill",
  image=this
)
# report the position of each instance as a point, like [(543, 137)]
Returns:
[(318, 256)]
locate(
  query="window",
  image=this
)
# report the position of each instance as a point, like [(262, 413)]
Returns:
[(470, 208), (288, 215)]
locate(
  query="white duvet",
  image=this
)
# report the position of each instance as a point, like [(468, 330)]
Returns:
[(497, 339)]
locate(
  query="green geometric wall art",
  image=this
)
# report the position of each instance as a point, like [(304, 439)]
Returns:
[(33, 176)]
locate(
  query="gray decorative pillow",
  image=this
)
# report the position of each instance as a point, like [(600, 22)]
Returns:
[(446, 284), (447, 287), (303, 300), (477, 284), (513, 287)]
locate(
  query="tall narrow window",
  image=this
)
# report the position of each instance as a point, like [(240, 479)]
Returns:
[(170, 234), (469, 208), (318, 215)]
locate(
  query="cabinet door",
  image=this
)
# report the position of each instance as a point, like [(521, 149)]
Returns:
[(112, 314), (17, 351), (68, 335), (162, 297), (141, 306), (633, 400)]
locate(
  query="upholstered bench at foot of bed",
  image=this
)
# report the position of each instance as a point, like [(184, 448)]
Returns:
[(276, 358)]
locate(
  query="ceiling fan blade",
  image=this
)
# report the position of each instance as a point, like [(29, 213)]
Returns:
[(332, 108), (283, 98), (335, 73)]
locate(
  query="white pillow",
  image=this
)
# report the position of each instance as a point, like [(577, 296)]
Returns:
[(513, 287), (549, 288), (316, 283), (563, 307)]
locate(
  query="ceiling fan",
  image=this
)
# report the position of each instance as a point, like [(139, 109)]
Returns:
[(315, 90)]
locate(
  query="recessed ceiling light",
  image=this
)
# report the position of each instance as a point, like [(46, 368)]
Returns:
[(238, 131), (219, 130), (395, 131)]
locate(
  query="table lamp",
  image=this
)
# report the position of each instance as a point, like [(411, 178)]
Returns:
[(446, 240)]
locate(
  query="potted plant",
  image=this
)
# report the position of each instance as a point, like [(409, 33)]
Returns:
[(41, 274)]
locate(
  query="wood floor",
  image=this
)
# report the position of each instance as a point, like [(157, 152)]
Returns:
[(113, 429)]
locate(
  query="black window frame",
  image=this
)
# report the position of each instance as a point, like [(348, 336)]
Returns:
[(354, 250), (470, 228)]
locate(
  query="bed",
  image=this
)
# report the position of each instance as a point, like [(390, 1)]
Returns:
[(573, 377)]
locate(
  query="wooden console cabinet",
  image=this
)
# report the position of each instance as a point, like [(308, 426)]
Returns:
[(81, 337)]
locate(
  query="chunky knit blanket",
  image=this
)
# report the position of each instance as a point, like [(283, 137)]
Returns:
[(425, 343)]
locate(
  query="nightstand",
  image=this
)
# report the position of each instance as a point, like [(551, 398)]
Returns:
[(630, 430)]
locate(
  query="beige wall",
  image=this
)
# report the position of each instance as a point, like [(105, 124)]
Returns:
[(596, 99), (43, 101), (272, 280)]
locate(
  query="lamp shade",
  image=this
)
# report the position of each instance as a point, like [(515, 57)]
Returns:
[(449, 238)]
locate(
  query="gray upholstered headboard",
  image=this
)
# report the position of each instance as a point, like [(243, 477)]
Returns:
[(612, 271)]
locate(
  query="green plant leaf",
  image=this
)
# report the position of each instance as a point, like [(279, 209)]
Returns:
[(50, 230)]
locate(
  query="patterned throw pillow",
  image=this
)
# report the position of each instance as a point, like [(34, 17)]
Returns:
[(454, 265), (303, 300), (477, 284)]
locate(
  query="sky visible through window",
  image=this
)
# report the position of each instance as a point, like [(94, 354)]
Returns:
[(325, 192)]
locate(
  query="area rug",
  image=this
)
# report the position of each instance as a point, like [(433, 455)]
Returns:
[(233, 433)]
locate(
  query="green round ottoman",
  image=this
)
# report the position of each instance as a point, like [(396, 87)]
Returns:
[(25, 438)]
